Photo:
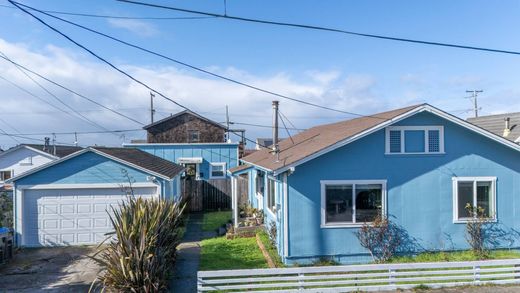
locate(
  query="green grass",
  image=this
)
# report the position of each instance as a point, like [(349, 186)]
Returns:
[(273, 253), (466, 255), (214, 220), (226, 254)]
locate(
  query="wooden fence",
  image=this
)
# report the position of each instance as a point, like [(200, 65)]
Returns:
[(373, 277), (207, 195)]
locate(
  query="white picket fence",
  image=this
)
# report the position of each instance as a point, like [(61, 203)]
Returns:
[(373, 277)]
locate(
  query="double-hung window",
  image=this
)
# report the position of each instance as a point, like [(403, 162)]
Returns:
[(259, 186), (4, 175), (414, 140), (351, 203), (271, 195), (217, 170), (473, 192)]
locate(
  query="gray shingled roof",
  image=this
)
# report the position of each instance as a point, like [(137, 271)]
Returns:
[(146, 127), (61, 150), (144, 160), (496, 124)]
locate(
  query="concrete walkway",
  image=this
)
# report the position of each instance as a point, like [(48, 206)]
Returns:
[(188, 256)]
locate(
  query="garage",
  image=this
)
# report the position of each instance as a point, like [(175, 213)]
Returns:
[(69, 201), (71, 216)]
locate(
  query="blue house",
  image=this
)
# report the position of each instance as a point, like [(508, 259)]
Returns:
[(208, 160), (194, 141), (418, 165), (68, 201)]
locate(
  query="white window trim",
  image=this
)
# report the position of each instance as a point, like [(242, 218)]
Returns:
[(324, 183), (275, 213), (402, 129), (259, 196), (456, 180), (211, 165)]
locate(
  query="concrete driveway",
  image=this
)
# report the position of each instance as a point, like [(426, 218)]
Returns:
[(57, 269)]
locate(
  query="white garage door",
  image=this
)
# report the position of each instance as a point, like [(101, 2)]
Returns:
[(71, 216)]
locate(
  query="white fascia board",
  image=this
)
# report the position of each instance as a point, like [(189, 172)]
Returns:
[(88, 185), (181, 144), (44, 166), (52, 163), (257, 166), (13, 149), (403, 116)]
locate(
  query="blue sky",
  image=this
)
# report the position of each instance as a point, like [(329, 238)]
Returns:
[(346, 72)]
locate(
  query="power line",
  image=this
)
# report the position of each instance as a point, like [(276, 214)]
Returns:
[(77, 132), (320, 28), (110, 64), (118, 16), (56, 97), (176, 61), (260, 125), (72, 91)]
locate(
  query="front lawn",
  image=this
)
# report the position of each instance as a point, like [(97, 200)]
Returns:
[(214, 220), (466, 255), (226, 254)]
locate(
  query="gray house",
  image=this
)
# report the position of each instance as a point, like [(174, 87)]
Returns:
[(505, 125)]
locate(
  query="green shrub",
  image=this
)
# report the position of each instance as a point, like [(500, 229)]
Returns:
[(142, 254), (6, 210)]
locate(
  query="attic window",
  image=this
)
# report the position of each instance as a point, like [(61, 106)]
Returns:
[(414, 140), (193, 136)]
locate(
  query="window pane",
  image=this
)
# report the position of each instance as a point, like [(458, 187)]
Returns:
[(414, 141), (368, 202), (271, 201), (465, 196), (434, 141), (338, 203), (395, 141), (260, 184), (484, 197)]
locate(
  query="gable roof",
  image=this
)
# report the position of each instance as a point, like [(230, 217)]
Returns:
[(131, 157), (182, 113), (61, 150), (496, 124), (321, 139)]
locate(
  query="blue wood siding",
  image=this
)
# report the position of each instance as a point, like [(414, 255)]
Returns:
[(419, 191), (210, 153), (91, 168)]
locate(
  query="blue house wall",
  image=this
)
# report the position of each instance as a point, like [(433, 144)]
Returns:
[(210, 153), (91, 168), (419, 191)]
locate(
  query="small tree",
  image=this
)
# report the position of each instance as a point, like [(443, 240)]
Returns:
[(382, 238), (476, 230)]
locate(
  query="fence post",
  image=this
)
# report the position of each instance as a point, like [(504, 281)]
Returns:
[(199, 283), (391, 276), (476, 274), (301, 281)]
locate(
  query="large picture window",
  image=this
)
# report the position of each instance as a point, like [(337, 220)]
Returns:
[(414, 140), (473, 192), (352, 203)]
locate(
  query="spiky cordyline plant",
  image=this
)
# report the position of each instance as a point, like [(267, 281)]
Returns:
[(141, 255)]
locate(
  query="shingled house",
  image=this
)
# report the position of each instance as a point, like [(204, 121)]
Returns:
[(506, 125), (194, 141), (185, 127)]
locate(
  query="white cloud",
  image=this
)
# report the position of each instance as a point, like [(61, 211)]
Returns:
[(137, 27)]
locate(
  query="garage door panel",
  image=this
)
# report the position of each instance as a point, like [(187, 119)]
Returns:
[(71, 216)]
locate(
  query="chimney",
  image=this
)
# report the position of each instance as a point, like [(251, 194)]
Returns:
[(275, 129), (507, 127), (46, 144)]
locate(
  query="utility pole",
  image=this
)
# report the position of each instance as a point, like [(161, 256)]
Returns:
[(275, 129), (474, 94), (152, 110), (227, 124), (75, 138)]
